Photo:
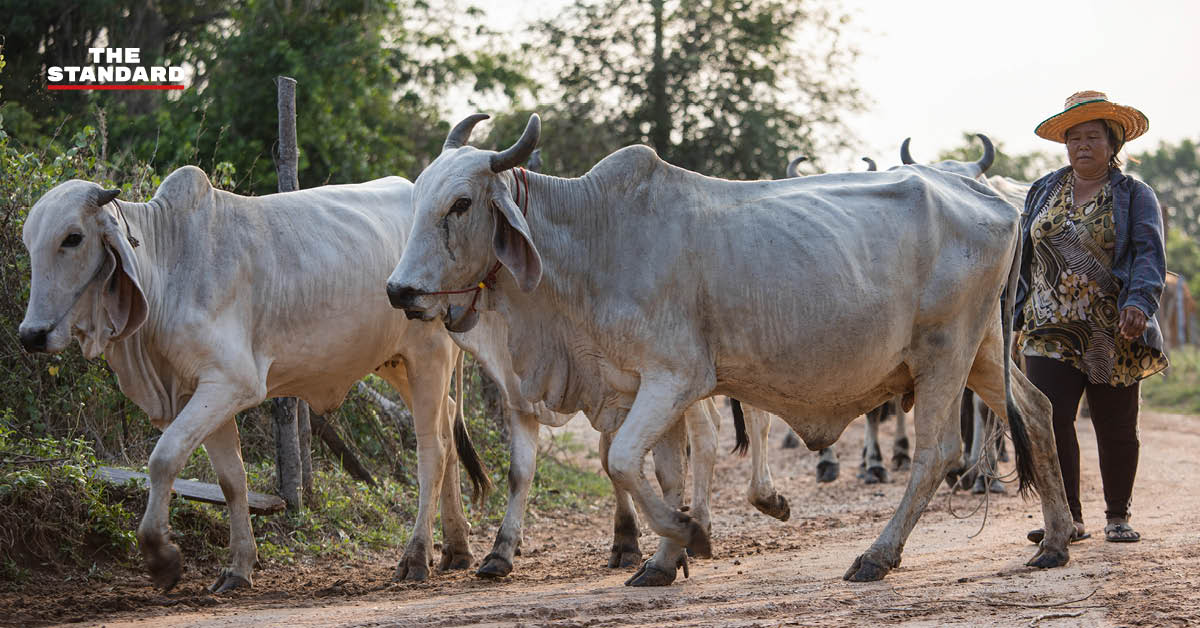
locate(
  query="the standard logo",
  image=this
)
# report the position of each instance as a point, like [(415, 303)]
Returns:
[(128, 75)]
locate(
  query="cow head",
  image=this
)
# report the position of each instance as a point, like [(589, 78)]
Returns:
[(465, 221), (84, 277), (969, 169)]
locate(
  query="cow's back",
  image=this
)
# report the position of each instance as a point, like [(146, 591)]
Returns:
[(805, 294), (296, 279)]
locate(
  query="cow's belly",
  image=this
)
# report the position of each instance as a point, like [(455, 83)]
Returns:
[(320, 362), (818, 407)]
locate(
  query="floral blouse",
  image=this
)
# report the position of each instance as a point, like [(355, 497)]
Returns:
[(1071, 314)]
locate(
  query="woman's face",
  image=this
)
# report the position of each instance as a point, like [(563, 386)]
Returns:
[(1088, 148)]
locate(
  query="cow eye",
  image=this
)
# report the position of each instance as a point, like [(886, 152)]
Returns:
[(72, 240), (461, 205)]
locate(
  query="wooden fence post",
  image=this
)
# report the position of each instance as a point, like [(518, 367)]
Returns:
[(291, 459)]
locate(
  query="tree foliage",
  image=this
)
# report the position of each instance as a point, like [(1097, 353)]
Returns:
[(728, 88), (1173, 171)]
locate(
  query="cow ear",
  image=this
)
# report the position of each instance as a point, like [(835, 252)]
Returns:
[(513, 244), (121, 295)]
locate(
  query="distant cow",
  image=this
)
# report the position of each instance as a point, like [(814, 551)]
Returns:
[(1176, 311), (641, 288)]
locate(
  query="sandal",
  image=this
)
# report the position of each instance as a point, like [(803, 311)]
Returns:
[(1121, 533), (1036, 536)]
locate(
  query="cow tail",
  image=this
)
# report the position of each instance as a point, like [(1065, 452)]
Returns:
[(739, 428), (1016, 423), (481, 483)]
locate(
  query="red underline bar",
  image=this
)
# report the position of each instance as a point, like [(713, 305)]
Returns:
[(109, 86)]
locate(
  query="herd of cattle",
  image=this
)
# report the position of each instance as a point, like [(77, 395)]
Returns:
[(633, 294)]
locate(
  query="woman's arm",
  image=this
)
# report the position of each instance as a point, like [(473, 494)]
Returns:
[(1148, 266)]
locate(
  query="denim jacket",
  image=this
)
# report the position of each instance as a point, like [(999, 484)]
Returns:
[(1139, 259)]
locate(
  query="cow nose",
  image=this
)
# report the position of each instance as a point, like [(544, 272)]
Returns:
[(402, 297), (34, 340)]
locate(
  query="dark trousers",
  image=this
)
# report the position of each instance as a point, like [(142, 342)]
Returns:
[(1114, 411)]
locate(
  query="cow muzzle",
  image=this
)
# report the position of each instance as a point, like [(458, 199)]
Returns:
[(34, 339), (405, 298)]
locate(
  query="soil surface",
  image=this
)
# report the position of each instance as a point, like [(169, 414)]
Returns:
[(764, 573)]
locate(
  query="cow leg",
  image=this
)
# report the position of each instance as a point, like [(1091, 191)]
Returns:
[(522, 447), (211, 406), (901, 454), (625, 550), (670, 467), (225, 453), (973, 435), (763, 495), (827, 465), (986, 379), (425, 388), (703, 420), (872, 469), (983, 451), (657, 408), (937, 406), (966, 422), (456, 531)]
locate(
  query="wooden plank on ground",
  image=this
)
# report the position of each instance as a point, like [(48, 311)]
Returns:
[(260, 503)]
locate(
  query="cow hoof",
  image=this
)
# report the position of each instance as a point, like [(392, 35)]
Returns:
[(775, 506), (983, 485), (651, 575), (494, 566), (1048, 558), (165, 566), (699, 544), (624, 556), (827, 472), (791, 441), (865, 570), (901, 462), (228, 581), (453, 560), (413, 567), (875, 475)]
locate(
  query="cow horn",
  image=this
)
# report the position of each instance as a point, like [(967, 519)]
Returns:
[(989, 153), (462, 131), (516, 154), (793, 165), (905, 156), (871, 167), (104, 197)]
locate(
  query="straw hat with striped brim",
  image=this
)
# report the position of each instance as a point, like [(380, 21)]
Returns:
[(1089, 105)]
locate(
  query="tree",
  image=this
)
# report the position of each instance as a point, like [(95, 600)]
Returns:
[(728, 88), (1173, 171), (1027, 167)]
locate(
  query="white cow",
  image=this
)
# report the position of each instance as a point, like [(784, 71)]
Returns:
[(206, 303), (489, 338), (641, 288)]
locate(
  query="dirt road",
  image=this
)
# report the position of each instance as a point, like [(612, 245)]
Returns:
[(765, 572)]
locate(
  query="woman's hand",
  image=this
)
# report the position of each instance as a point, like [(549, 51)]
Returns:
[(1133, 322)]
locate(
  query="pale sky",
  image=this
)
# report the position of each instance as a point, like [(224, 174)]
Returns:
[(936, 68)]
